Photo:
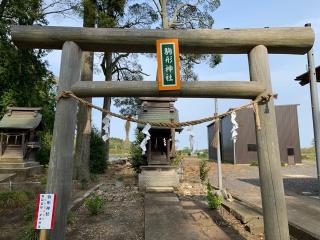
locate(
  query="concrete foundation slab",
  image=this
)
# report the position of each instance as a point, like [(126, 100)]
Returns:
[(158, 176), (165, 219)]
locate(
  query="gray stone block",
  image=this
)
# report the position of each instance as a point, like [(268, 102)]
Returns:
[(158, 177)]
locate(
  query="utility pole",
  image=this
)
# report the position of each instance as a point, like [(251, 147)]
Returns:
[(314, 105), (217, 123)]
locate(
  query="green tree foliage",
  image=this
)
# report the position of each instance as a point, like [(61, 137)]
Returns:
[(171, 14), (24, 78), (128, 105), (136, 157), (43, 155), (98, 161), (188, 14), (124, 66)]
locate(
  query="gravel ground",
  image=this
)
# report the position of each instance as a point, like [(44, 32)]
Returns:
[(122, 216), (192, 190)]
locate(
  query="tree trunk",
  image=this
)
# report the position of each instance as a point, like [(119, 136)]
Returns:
[(165, 25), (164, 14), (82, 150), (107, 100)]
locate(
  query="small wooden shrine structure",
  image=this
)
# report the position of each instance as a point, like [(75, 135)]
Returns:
[(18, 140), (160, 148)]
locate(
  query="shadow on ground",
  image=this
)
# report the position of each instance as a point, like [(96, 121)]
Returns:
[(296, 185)]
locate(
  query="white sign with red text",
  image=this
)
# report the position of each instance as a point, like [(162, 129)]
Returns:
[(46, 204)]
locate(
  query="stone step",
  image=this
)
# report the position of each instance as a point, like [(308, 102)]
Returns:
[(11, 160), (12, 147), (252, 219), (18, 164), (160, 189), (20, 169), (11, 156), (7, 177)]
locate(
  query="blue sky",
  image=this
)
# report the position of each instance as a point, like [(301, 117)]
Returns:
[(284, 68)]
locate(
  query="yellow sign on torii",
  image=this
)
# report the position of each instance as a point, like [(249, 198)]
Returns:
[(168, 64)]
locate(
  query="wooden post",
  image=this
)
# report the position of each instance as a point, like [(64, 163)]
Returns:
[(272, 192), (173, 141), (1, 140), (43, 234), (149, 154), (168, 150), (23, 138), (61, 156)]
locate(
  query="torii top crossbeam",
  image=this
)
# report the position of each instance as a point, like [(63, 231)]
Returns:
[(296, 40)]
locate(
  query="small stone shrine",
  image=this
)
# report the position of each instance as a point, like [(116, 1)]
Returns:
[(159, 174), (19, 142)]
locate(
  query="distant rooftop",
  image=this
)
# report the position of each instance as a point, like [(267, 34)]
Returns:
[(304, 78)]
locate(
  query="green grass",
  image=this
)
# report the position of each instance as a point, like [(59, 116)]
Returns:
[(28, 233), (117, 147), (204, 170), (203, 154), (95, 204), (214, 201), (308, 153), (14, 199)]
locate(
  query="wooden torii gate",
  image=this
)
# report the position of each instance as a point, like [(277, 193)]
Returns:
[(256, 43)]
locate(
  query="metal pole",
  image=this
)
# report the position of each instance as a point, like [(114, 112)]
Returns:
[(234, 153), (314, 106), (218, 146)]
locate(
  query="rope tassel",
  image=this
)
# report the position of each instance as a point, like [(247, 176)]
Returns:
[(147, 137), (235, 126), (257, 117)]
